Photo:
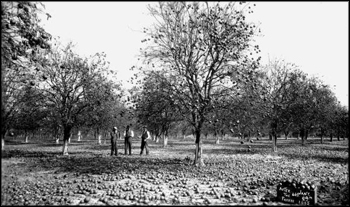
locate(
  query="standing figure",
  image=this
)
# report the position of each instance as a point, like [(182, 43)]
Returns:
[(114, 137), (144, 136), (128, 135)]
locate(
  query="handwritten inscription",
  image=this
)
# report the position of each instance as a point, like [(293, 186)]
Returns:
[(296, 193)]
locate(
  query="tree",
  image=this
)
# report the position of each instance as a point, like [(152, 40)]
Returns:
[(155, 108), (70, 86), (325, 103), (29, 112), (106, 113), (203, 51), (308, 105), (278, 94), (21, 39)]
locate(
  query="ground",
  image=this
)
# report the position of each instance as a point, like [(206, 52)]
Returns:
[(36, 173)]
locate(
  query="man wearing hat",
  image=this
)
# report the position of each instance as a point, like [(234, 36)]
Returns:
[(128, 135), (114, 137), (144, 136)]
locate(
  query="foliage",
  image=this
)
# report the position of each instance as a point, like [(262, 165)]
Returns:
[(21, 35), (203, 51), (73, 86), (21, 39), (155, 108)]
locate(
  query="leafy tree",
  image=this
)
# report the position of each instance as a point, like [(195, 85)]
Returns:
[(310, 104), (341, 121), (30, 114), (203, 51), (278, 95), (324, 107), (21, 39), (106, 113), (155, 108), (70, 86)]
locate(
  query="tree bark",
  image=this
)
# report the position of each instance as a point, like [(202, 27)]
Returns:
[(3, 134), (302, 135), (198, 160), (26, 136), (286, 134), (2, 143), (217, 138), (99, 139), (331, 137), (165, 140), (79, 136), (274, 142), (66, 136)]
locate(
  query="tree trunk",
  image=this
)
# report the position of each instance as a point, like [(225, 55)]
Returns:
[(306, 134), (303, 140), (3, 94), (2, 143), (66, 136), (79, 136), (165, 140), (338, 134), (286, 135), (331, 137), (25, 136), (198, 160), (3, 134), (274, 142), (302, 135), (217, 138), (99, 139), (321, 138)]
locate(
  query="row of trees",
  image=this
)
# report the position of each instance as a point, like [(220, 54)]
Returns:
[(202, 71), (47, 86), (201, 74)]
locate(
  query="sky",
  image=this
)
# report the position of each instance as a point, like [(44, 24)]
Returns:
[(312, 35)]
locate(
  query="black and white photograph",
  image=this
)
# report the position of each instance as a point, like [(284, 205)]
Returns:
[(175, 103)]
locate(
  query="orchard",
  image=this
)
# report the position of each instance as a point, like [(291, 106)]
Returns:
[(225, 128)]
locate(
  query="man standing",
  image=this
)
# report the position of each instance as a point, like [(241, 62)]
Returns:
[(144, 136), (114, 137), (128, 135)]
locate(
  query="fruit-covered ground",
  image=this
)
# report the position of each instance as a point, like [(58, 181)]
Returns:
[(36, 173)]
